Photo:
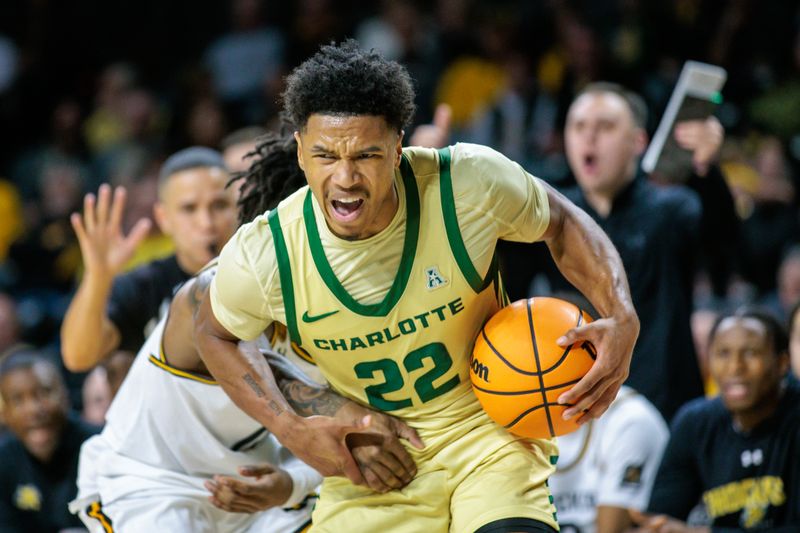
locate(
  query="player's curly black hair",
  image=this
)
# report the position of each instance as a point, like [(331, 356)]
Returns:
[(273, 175), (346, 80)]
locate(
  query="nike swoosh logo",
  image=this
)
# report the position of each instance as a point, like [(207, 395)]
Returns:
[(309, 319)]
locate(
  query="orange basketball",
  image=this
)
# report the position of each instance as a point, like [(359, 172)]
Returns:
[(518, 371)]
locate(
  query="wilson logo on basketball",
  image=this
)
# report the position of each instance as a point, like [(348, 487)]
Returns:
[(480, 370), (529, 369)]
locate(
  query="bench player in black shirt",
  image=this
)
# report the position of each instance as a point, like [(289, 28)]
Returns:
[(738, 453), (109, 311), (39, 456)]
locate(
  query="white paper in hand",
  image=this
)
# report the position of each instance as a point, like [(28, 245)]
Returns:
[(696, 95)]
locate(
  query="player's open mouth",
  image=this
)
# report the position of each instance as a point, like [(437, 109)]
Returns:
[(346, 209)]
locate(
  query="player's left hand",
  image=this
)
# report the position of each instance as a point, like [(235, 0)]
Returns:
[(703, 138), (270, 487), (384, 462), (613, 339)]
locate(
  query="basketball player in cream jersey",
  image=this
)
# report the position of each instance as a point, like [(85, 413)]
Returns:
[(608, 466), (171, 430), (383, 272)]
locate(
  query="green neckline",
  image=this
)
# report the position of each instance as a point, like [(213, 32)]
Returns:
[(383, 307)]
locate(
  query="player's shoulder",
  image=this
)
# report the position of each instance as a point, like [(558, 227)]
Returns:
[(470, 155), (482, 172), (424, 162)]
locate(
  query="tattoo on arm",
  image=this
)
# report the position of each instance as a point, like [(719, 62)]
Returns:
[(309, 401), (254, 385), (250, 380), (277, 409), (199, 289), (305, 397)]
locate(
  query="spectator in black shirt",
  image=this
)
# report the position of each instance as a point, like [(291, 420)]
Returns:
[(657, 230), (39, 456), (740, 452), (109, 312)]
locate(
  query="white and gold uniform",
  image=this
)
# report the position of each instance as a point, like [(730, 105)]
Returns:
[(609, 462), (166, 432), (390, 322)]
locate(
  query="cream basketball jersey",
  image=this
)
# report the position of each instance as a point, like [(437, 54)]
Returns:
[(408, 353), (389, 320)]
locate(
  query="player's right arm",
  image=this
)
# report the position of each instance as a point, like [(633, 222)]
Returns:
[(244, 298), (249, 382), (384, 462), (87, 334)]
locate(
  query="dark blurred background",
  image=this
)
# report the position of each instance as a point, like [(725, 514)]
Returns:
[(101, 91)]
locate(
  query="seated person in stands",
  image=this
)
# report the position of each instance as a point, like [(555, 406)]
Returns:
[(737, 454), (39, 455)]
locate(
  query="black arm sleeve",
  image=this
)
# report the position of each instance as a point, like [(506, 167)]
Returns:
[(137, 297), (128, 310), (678, 486), (720, 232)]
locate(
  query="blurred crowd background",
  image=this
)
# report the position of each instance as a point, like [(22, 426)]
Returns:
[(95, 91)]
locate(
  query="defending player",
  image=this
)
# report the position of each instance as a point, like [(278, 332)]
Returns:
[(383, 273), (171, 430)]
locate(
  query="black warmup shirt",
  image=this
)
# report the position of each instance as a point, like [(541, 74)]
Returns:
[(33, 495), (137, 296), (747, 481)]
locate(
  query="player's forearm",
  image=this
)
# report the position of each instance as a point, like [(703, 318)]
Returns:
[(244, 376), (307, 398), (250, 384), (87, 334), (587, 258)]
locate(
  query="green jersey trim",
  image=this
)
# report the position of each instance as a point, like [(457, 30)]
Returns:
[(460, 253), (285, 273), (383, 307)]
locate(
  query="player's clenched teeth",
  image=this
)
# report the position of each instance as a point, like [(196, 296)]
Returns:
[(347, 207)]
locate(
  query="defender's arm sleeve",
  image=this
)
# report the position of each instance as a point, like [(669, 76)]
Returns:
[(238, 291), (489, 185), (127, 310)]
